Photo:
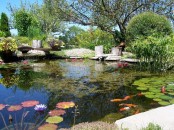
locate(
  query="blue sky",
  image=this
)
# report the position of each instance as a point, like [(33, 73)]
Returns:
[(14, 3), (4, 4)]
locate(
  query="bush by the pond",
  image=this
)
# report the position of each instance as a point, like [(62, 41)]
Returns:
[(146, 24), (2, 34), (155, 54), (8, 44)]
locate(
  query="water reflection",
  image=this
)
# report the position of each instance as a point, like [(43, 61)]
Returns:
[(90, 84)]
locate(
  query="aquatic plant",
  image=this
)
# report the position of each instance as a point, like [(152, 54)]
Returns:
[(2, 106), (65, 105), (153, 88), (52, 118), (14, 108), (30, 103), (56, 112), (40, 107)]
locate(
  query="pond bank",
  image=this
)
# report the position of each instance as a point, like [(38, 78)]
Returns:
[(163, 116)]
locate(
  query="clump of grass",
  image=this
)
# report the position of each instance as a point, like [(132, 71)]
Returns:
[(152, 126)]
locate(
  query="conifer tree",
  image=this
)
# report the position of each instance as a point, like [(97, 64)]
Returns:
[(4, 25)]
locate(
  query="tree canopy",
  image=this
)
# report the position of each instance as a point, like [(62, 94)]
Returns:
[(110, 15), (148, 24), (44, 16)]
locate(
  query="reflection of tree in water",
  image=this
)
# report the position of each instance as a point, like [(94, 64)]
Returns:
[(93, 91), (9, 78), (22, 79)]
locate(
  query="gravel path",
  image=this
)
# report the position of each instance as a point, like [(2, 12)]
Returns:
[(79, 52)]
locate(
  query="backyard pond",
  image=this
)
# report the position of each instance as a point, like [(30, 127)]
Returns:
[(104, 91)]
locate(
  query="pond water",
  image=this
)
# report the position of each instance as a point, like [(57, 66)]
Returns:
[(89, 84)]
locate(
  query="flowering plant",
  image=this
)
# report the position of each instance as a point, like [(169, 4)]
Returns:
[(55, 44), (7, 44)]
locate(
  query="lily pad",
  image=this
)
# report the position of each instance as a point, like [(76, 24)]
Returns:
[(155, 90), (171, 93), (30, 103), (164, 103), (2, 106), (54, 119), (157, 99), (57, 112), (165, 97), (48, 127), (172, 101), (158, 95), (150, 96), (142, 88), (14, 108), (65, 105)]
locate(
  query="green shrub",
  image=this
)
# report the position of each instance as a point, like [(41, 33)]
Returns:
[(155, 54), (90, 39), (23, 21), (7, 44), (147, 24), (152, 126), (36, 33), (2, 34), (23, 40)]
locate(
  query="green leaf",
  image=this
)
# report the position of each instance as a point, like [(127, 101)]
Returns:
[(172, 101), (164, 103), (157, 99), (54, 119), (142, 88), (165, 97)]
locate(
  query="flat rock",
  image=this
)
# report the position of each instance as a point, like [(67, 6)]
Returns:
[(163, 116), (36, 52), (130, 60), (113, 58)]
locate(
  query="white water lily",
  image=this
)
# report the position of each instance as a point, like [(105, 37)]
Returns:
[(40, 107)]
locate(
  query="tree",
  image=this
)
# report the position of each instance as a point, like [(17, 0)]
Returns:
[(147, 24), (44, 17), (70, 34), (4, 25), (22, 20), (47, 16), (110, 15)]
